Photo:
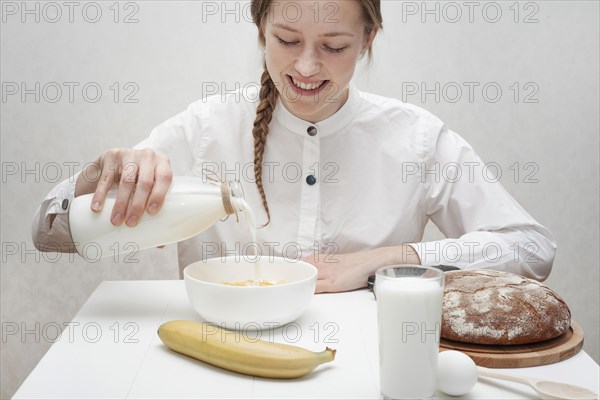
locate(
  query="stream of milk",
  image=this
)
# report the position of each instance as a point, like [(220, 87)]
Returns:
[(251, 226)]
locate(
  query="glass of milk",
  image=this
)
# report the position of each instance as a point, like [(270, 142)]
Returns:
[(409, 314)]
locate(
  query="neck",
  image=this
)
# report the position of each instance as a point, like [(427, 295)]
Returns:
[(329, 106)]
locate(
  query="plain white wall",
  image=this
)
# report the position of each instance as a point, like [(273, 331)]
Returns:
[(176, 49)]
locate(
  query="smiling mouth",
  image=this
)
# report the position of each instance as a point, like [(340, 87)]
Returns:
[(307, 86)]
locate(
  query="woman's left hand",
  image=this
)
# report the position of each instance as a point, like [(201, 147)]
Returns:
[(344, 272)]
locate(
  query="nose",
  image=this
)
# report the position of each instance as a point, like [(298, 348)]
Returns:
[(308, 63)]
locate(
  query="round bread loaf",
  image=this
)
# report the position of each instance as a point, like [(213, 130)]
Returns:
[(500, 308)]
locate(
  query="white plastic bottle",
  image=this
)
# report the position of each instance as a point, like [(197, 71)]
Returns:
[(191, 206)]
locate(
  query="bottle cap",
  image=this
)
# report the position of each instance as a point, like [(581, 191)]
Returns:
[(228, 190)]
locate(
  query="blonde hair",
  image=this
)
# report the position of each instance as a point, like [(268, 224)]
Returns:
[(371, 16)]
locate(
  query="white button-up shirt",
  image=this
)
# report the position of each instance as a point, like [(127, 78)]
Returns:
[(382, 169)]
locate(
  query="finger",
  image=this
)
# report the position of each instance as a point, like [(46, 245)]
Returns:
[(126, 188), (323, 286), (145, 181), (106, 168), (102, 186), (163, 176)]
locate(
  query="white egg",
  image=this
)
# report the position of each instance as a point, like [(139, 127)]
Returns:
[(456, 373)]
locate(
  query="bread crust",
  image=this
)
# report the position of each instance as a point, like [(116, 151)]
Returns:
[(499, 308)]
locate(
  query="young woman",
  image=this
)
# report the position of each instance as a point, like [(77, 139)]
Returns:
[(347, 179)]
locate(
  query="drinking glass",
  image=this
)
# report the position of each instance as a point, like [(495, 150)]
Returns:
[(409, 313)]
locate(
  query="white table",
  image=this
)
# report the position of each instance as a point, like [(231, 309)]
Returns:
[(111, 350)]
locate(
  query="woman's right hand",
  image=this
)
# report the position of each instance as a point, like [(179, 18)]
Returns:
[(143, 179)]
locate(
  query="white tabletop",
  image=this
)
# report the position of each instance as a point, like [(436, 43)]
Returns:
[(111, 350)]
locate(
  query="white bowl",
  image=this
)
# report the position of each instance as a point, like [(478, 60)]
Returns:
[(250, 307)]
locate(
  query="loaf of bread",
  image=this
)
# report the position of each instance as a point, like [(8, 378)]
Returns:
[(500, 308)]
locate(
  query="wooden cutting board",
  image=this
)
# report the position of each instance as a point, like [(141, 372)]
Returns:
[(526, 355)]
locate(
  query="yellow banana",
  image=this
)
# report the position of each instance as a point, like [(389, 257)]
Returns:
[(240, 353)]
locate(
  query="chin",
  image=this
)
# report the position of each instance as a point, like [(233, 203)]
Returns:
[(307, 112)]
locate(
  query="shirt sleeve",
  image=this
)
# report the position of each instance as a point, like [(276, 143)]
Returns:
[(484, 225), (181, 138)]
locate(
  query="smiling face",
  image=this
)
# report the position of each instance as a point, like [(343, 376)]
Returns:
[(311, 51)]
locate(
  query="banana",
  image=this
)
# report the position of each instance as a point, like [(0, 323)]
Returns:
[(236, 352)]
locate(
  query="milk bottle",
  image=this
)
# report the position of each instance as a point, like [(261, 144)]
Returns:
[(191, 206)]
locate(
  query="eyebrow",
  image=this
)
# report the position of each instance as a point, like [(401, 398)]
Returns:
[(329, 34)]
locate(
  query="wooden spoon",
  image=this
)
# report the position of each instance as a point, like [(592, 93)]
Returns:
[(546, 389)]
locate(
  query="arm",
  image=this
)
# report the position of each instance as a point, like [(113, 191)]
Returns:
[(343, 272), (147, 168), (485, 226), (143, 178)]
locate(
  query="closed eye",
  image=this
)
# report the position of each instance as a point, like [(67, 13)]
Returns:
[(334, 50), (283, 42)]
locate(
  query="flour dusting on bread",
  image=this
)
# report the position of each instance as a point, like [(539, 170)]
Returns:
[(492, 307)]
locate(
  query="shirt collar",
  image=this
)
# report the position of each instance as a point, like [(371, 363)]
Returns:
[(328, 126)]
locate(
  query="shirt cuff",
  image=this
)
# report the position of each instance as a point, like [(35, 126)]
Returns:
[(50, 228), (59, 199), (431, 255)]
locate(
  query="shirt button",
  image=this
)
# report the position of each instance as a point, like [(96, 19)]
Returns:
[(65, 204), (312, 131), (311, 180)]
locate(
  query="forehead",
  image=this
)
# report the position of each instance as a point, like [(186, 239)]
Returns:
[(317, 15)]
